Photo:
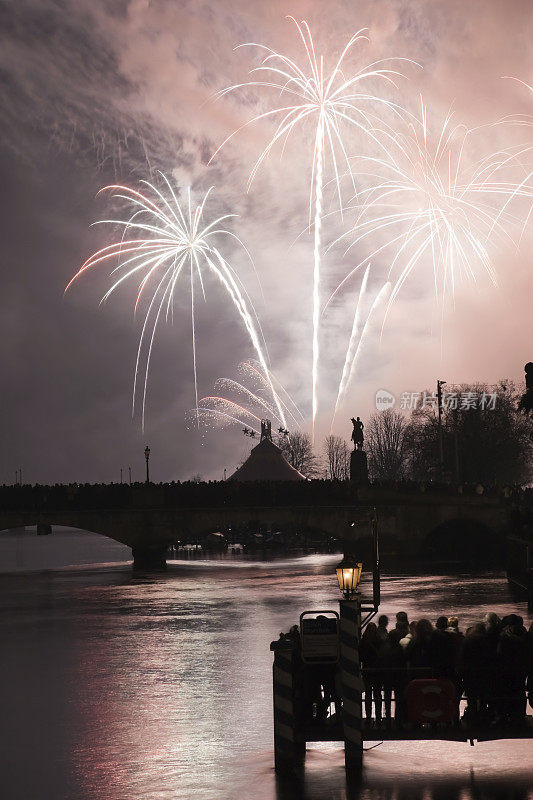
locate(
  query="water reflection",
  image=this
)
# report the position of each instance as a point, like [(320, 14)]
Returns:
[(328, 781), (123, 687)]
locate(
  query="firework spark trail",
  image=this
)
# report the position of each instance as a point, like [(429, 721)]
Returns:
[(351, 349), (209, 415), (230, 385), (223, 405), (224, 412), (521, 120), (227, 384), (518, 80), (333, 99), (251, 404), (443, 209), (252, 369), (316, 266), (169, 238), (254, 372), (193, 326), (382, 294)]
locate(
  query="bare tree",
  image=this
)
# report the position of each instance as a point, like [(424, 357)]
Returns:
[(298, 450), (387, 445), (337, 455)]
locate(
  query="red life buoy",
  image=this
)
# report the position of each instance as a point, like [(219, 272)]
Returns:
[(431, 700)]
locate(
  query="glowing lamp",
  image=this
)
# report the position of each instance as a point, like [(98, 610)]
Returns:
[(349, 575)]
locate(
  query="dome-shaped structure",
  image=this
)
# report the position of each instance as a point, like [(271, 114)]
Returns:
[(266, 462)]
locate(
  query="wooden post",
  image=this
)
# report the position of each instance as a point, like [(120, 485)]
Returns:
[(286, 749), (352, 685)]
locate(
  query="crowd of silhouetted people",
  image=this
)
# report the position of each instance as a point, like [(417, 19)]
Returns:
[(491, 663), (220, 493)]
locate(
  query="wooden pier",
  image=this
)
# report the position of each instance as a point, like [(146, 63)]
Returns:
[(333, 732), (319, 686), (293, 729)]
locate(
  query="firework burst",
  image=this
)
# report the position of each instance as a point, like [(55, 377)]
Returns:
[(162, 241), (428, 201), (255, 395), (331, 101)]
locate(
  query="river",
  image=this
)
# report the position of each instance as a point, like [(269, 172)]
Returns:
[(158, 687)]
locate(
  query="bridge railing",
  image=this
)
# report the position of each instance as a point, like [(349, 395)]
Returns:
[(232, 493)]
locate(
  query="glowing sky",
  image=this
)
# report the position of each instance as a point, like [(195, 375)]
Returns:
[(94, 91)]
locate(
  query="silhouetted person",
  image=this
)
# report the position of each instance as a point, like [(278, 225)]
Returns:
[(402, 624), (369, 648), (405, 640), (441, 624), (474, 673), (512, 659), (392, 665), (383, 621), (493, 627), (453, 630), (419, 652), (493, 624), (442, 651)]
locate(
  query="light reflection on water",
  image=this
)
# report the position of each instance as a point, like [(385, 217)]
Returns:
[(117, 687)]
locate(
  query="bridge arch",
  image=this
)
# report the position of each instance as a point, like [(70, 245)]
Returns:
[(59, 527), (58, 521), (463, 539), (46, 547)]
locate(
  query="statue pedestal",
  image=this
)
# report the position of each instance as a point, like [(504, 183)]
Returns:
[(526, 401), (358, 468)]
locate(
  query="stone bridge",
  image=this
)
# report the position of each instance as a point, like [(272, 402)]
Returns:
[(448, 522)]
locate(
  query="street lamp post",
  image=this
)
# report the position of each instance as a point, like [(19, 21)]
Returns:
[(440, 384), (350, 627), (348, 576), (147, 457)]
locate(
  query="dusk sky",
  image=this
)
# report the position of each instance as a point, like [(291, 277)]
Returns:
[(93, 92)]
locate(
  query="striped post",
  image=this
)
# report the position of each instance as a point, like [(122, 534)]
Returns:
[(285, 746), (352, 685)]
